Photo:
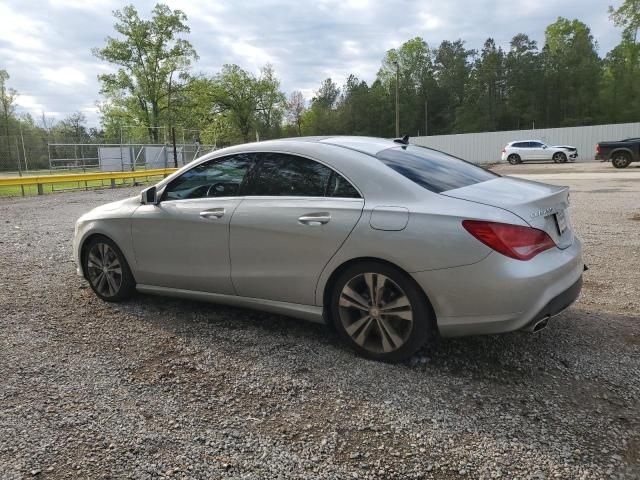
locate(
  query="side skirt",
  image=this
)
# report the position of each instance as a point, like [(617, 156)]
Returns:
[(311, 313)]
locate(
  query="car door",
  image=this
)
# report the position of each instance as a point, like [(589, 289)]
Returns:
[(183, 242), (538, 151), (296, 214)]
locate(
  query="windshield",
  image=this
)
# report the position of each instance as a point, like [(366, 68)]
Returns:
[(436, 171)]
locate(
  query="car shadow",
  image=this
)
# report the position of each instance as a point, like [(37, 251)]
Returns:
[(575, 333)]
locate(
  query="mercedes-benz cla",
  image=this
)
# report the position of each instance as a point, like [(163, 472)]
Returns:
[(388, 242)]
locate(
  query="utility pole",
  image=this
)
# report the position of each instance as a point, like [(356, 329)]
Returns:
[(426, 117), (397, 99), (24, 150), (175, 150)]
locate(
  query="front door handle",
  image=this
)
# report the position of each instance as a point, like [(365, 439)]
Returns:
[(212, 213), (319, 218)]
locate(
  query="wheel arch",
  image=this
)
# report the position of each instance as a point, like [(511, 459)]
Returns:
[(326, 293), (622, 150), (83, 250)]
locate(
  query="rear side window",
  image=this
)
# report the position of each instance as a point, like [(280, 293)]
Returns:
[(436, 171), (519, 145), (340, 187), (280, 174)]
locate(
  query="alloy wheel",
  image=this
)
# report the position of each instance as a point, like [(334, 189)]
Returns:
[(620, 161), (375, 312), (104, 269), (559, 158)]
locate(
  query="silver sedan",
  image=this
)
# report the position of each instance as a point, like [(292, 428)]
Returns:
[(390, 243)]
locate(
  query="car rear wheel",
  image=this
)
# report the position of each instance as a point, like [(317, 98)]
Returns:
[(621, 160), (559, 157), (380, 311), (107, 270), (514, 159)]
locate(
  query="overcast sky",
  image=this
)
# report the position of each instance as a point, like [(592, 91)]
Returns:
[(46, 47)]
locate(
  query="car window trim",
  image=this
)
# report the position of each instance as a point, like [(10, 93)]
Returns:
[(166, 181)]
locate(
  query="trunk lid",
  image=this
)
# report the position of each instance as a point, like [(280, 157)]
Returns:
[(538, 204)]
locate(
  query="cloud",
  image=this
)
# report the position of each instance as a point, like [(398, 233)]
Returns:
[(47, 49)]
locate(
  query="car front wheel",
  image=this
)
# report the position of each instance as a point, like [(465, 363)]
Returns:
[(107, 270), (380, 312), (559, 157)]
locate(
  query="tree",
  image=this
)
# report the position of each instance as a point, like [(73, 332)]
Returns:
[(452, 67), (572, 74), (236, 93), (417, 81), (627, 16), (7, 98), (621, 89), (522, 75), (322, 117), (73, 127), (153, 65), (270, 104), (295, 110), (484, 105)]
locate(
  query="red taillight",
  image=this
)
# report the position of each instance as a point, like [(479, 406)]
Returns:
[(598, 148), (514, 241), (504, 150)]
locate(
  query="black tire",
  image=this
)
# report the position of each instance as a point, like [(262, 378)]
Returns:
[(514, 159), (415, 333), (559, 157), (118, 270), (621, 159)]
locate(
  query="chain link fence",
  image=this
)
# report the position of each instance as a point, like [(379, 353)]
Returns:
[(35, 154)]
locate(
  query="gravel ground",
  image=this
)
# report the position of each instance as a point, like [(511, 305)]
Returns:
[(157, 388)]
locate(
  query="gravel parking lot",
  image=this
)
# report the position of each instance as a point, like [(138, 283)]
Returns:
[(157, 388)]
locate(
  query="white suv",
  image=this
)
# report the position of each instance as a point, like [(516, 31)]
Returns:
[(521, 151)]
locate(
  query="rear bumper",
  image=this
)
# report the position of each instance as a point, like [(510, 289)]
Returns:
[(558, 304), (499, 294)]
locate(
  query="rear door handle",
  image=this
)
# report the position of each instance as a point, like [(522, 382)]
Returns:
[(319, 218), (212, 213)]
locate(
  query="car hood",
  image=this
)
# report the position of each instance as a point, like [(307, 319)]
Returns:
[(120, 208)]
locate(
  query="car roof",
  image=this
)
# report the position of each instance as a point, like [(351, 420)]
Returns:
[(368, 145)]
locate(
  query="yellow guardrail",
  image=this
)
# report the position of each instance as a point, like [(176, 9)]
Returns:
[(41, 180)]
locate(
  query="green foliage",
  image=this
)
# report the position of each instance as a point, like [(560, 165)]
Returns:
[(627, 16), (448, 89), (153, 63)]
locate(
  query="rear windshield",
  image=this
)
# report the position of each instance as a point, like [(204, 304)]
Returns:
[(436, 171)]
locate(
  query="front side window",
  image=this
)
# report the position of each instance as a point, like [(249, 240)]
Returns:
[(221, 177), (281, 174), (436, 171)]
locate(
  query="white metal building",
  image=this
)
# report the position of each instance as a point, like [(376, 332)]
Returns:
[(486, 147)]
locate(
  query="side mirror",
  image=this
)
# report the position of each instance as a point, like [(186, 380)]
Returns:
[(150, 196), (545, 146)]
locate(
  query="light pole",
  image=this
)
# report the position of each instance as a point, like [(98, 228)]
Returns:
[(397, 99)]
